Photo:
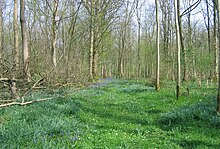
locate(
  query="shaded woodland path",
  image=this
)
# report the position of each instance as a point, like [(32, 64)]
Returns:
[(102, 82)]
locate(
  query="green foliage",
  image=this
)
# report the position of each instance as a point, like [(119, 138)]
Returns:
[(113, 114), (201, 112)]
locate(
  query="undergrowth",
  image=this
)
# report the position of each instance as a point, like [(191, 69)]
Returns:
[(113, 114)]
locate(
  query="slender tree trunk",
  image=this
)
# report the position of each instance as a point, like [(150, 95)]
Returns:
[(190, 47), (178, 81), (16, 44), (120, 64), (185, 73), (209, 38), (95, 63), (1, 40), (218, 96), (24, 41), (91, 51), (15, 53), (138, 73), (54, 35), (216, 41), (158, 48)]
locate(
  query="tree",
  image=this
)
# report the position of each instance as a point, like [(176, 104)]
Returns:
[(158, 48), (1, 39), (123, 42), (15, 62), (185, 73), (178, 81), (26, 66), (138, 14), (16, 42), (215, 39), (218, 96), (190, 46), (54, 34), (209, 37), (101, 14)]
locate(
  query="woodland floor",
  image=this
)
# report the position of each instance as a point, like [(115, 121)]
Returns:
[(113, 114)]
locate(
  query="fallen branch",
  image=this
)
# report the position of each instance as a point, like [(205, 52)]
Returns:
[(40, 80), (10, 80), (26, 103), (4, 79), (4, 101)]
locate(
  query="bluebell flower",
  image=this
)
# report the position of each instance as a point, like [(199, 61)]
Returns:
[(68, 132), (62, 133), (74, 138)]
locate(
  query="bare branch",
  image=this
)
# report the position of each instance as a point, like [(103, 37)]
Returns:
[(190, 8)]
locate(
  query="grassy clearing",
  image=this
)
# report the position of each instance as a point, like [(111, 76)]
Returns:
[(117, 114)]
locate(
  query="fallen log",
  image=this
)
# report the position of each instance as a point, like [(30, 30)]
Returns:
[(26, 103)]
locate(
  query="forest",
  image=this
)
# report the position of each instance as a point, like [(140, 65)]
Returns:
[(109, 74)]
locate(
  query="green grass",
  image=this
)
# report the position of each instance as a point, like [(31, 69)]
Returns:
[(120, 114)]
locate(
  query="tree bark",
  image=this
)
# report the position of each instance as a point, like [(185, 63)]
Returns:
[(91, 51), (139, 43), (54, 35), (215, 40), (185, 73), (16, 44), (209, 39), (24, 41), (158, 48), (218, 95), (15, 53), (1, 40), (120, 58), (178, 81)]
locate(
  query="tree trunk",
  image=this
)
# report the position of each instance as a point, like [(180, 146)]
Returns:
[(178, 50), (190, 46), (15, 53), (185, 73), (24, 41), (120, 64), (158, 49), (138, 73), (1, 40), (218, 96), (54, 35), (209, 39), (215, 41), (91, 51), (16, 44)]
